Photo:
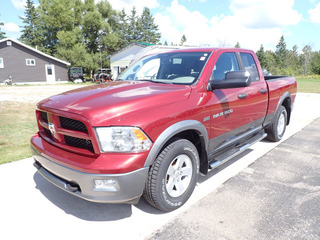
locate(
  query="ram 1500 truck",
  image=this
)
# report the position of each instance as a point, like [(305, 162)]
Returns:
[(168, 118)]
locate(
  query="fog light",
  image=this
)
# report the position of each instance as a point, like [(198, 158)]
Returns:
[(109, 185)]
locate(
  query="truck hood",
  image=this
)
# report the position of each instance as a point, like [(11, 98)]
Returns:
[(105, 104)]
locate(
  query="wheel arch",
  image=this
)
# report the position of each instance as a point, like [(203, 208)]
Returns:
[(286, 101), (192, 130)]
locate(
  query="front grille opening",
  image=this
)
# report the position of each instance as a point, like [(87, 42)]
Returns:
[(44, 117), (72, 124), (79, 143), (48, 133)]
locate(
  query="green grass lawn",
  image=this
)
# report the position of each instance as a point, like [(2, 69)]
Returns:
[(18, 123), (308, 84)]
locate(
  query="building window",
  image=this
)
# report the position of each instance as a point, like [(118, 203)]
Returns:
[(30, 62), (1, 63), (9, 43)]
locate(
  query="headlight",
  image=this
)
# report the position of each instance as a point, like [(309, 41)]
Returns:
[(122, 139)]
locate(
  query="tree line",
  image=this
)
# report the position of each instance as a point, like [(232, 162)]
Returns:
[(290, 62), (84, 33)]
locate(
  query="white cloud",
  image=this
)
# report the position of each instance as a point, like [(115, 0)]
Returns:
[(178, 20), (251, 23), (128, 4), (12, 30), (265, 13), (315, 14), (11, 27), (19, 4)]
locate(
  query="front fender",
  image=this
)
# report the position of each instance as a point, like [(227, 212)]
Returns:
[(172, 131)]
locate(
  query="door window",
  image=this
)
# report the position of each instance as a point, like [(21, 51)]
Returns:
[(227, 62), (49, 70)]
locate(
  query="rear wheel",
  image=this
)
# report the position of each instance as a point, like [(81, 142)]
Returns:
[(173, 176), (277, 129)]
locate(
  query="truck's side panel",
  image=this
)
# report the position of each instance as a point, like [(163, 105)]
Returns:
[(281, 91)]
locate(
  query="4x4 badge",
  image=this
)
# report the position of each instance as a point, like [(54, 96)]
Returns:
[(52, 128)]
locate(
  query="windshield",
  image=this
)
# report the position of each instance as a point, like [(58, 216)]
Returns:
[(75, 70), (175, 68)]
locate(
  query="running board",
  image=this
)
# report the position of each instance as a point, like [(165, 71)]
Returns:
[(231, 153)]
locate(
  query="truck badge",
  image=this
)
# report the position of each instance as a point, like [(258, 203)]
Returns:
[(52, 128)]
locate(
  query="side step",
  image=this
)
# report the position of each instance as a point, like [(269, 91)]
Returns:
[(231, 153)]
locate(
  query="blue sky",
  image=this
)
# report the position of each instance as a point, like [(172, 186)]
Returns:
[(214, 22)]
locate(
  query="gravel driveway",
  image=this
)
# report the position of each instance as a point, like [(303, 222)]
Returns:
[(33, 94)]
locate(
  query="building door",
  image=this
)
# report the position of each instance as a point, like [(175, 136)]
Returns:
[(50, 73)]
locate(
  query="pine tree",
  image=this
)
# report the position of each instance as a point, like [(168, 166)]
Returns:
[(2, 34), (147, 29), (32, 33), (56, 15), (122, 28), (262, 57), (183, 40), (133, 34), (281, 53), (237, 45)]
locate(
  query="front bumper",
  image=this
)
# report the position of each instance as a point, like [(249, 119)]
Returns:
[(129, 185)]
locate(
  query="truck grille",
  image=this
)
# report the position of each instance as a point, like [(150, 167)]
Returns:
[(72, 124), (67, 133), (44, 117), (79, 143)]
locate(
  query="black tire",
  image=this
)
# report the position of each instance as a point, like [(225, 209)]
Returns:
[(173, 176), (278, 127)]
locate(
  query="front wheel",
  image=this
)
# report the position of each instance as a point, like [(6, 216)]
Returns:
[(278, 127), (173, 176)]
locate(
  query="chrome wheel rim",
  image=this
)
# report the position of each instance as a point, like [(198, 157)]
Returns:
[(179, 175), (281, 124)]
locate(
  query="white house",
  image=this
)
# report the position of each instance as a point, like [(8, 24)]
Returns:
[(121, 59)]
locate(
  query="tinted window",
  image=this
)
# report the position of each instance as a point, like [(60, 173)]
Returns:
[(250, 66), (227, 62), (171, 67)]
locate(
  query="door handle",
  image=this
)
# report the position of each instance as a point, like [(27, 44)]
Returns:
[(242, 95), (263, 91)]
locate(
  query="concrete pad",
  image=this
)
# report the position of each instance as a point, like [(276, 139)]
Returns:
[(32, 208), (276, 197)]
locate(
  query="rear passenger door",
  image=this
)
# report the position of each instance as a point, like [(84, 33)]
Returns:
[(236, 111), (257, 93)]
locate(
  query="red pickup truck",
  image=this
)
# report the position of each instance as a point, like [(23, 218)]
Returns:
[(169, 117)]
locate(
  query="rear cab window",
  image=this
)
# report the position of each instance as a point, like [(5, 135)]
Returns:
[(250, 66)]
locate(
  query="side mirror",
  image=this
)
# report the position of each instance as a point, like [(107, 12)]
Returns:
[(235, 79)]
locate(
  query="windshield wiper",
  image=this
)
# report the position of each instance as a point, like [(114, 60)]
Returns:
[(153, 81)]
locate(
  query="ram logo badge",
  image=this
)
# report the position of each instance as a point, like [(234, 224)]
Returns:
[(52, 128)]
